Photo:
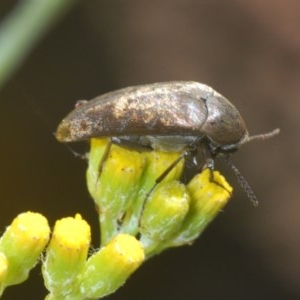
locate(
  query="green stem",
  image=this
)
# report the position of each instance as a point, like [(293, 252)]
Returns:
[(108, 227), (21, 30)]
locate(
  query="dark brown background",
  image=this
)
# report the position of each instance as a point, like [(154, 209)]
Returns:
[(247, 50)]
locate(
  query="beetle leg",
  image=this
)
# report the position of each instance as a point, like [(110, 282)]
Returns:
[(163, 175), (104, 157), (75, 153), (166, 172), (170, 167), (209, 163)]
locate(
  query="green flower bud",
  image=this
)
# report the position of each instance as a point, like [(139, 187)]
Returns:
[(3, 271), (108, 269), (117, 185), (156, 164), (207, 199), (97, 153), (163, 214)]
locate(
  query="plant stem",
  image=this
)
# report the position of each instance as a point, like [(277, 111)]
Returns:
[(21, 30)]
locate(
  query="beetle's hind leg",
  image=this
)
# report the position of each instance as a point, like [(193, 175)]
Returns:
[(162, 176), (104, 157)]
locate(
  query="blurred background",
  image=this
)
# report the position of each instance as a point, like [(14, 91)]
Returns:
[(249, 51)]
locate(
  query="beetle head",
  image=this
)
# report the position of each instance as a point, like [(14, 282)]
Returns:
[(225, 127)]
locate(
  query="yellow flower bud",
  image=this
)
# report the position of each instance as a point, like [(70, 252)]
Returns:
[(22, 243), (66, 255)]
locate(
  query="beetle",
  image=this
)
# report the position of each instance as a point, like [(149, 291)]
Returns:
[(167, 116)]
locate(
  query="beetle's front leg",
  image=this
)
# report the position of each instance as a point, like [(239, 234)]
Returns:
[(209, 162)]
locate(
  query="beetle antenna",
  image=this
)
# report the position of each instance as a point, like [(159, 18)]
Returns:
[(263, 136), (243, 182)]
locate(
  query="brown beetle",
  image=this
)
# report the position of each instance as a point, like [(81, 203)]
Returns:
[(168, 116)]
